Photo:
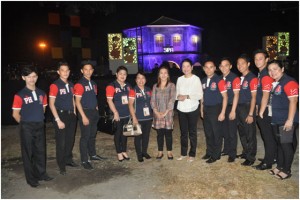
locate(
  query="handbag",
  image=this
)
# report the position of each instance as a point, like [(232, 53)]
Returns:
[(132, 130), (286, 136)]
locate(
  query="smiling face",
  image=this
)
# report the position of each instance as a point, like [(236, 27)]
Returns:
[(225, 67), (87, 71), (121, 76), (260, 61), (243, 66), (275, 71), (163, 74), (187, 68), (30, 79), (63, 72), (140, 80)]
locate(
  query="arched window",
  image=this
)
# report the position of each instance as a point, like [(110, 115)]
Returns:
[(176, 40), (159, 40)]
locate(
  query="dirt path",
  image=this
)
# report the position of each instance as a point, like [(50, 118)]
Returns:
[(152, 179)]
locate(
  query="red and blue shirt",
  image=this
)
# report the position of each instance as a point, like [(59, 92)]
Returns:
[(63, 94), (212, 89), (264, 84), (31, 103), (87, 90), (248, 85), (233, 83)]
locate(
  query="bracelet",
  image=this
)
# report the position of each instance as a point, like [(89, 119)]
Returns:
[(250, 115), (57, 119)]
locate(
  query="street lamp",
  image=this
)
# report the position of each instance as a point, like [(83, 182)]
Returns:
[(43, 46)]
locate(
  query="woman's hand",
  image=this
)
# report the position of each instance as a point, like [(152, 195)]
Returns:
[(116, 116), (135, 121)]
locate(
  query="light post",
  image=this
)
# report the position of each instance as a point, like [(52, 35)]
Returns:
[(43, 46)]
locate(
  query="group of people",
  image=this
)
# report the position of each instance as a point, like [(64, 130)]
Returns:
[(228, 104)]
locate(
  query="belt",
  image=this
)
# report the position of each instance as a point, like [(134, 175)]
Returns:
[(66, 111)]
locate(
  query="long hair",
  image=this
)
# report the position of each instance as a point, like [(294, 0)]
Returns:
[(158, 78)]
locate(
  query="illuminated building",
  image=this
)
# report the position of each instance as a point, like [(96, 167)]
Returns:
[(270, 45), (283, 44)]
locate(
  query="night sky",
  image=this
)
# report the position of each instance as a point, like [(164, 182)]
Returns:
[(230, 28)]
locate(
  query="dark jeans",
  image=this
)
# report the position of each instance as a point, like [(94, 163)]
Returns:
[(247, 132), (119, 139), (285, 151), (65, 139), (229, 128), (213, 130), (188, 127), (33, 149), (161, 135), (141, 142), (269, 140), (88, 134)]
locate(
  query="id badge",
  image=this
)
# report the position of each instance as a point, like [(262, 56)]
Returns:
[(269, 111), (124, 100), (146, 111)]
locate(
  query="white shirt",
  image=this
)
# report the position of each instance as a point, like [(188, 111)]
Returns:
[(189, 86)]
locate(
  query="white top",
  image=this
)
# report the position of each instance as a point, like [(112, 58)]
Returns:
[(189, 86)]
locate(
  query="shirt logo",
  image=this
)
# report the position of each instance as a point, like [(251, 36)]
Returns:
[(278, 90), (28, 100), (138, 95), (87, 88), (62, 91), (213, 86), (228, 85), (118, 90), (245, 84)]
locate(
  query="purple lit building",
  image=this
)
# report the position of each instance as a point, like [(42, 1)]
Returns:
[(166, 39)]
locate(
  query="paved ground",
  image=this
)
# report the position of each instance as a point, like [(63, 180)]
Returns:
[(151, 179)]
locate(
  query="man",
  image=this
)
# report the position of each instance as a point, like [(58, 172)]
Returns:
[(229, 128), (213, 109), (86, 102), (28, 110), (246, 111), (264, 87), (62, 105)]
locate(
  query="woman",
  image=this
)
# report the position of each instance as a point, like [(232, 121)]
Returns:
[(188, 93), (117, 94), (162, 103), (141, 112), (283, 102)]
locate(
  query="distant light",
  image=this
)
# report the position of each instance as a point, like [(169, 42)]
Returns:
[(42, 45)]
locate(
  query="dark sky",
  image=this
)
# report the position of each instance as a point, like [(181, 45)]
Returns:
[(230, 28)]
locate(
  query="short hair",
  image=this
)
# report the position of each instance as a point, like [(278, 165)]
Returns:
[(86, 62), (122, 68), (277, 62), (28, 70), (261, 51), (226, 58), (61, 63), (209, 61), (245, 57), (141, 73), (187, 60)]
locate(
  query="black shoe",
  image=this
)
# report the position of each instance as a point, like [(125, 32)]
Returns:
[(230, 159), (46, 178), (224, 154), (262, 166), (87, 165), (247, 163), (147, 156), (34, 185), (126, 158), (97, 157), (242, 156), (170, 158), (211, 160), (205, 157), (63, 172), (140, 159), (72, 164), (159, 157)]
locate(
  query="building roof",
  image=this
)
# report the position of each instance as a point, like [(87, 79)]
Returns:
[(167, 21)]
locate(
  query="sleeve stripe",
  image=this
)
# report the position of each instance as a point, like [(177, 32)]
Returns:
[(224, 91), (293, 96), (266, 91), (109, 97), (131, 97), (236, 89), (77, 95), (16, 108), (52, 97), (253, 90)]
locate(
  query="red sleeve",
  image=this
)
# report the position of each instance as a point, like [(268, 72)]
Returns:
[(266, 83), (110, 91), (222, 86), (132, 94), (45, 101), (53, 90), (253, 84), (291, 89), (236, 83), (17, 104), (78, 89)]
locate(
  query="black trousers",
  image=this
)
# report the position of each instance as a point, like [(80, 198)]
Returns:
[(119, 139), (161, 135), (229, 128), (141, 142), (268, 137), (188, 128), (65, 139), (33, 149), (285, 151), (88, 134), (213, 130), (247, 132)]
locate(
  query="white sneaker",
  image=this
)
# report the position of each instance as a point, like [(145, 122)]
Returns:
[(190, 159), (181, 158)]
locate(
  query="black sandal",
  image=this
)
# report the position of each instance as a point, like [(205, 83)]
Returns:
[(288, 175), (272, 171)]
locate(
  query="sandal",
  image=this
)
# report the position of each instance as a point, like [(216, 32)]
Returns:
[(181, 158), (190, 159), (274, 171), (281, 175)]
